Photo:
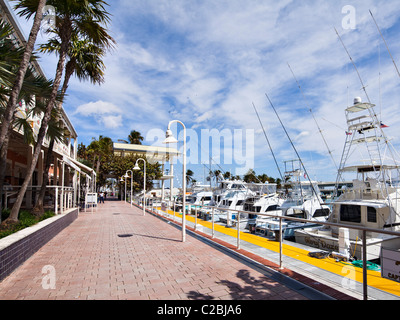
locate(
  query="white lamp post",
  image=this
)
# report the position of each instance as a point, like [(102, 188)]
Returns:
[(144, 182), (126, 176), (169, 138), (122, 180)]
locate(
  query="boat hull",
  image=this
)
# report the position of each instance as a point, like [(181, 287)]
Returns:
[(315, 238)]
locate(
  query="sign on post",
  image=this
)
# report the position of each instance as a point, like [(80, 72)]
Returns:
[(390, 266), (91, 200)]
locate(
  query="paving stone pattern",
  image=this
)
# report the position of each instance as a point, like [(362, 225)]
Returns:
[(116, 253)]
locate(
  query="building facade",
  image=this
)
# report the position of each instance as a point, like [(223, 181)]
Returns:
[(68, 178)]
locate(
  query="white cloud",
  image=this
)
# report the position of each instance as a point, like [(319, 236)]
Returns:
[(112, 122), (204, 117), (205, 63), (105, 114), (97, 108), (301, 135)]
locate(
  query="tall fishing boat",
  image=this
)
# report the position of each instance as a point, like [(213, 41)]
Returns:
[(374, 199)]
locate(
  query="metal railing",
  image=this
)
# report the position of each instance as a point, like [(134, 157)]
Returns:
[(212, 211), (61, 198)]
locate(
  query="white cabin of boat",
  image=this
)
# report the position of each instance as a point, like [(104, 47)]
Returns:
[(370, 203)]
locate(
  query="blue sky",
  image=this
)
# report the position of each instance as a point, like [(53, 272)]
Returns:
[(205, 63)]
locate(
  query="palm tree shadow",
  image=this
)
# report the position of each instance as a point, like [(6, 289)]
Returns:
[(253, 289), (154, 237), (194, 295)]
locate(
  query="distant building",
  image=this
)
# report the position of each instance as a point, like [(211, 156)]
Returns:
[(153, 154)]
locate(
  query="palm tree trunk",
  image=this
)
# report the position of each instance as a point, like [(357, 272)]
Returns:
[(69, 71), (38, 210), (12, 102), (66, 37)]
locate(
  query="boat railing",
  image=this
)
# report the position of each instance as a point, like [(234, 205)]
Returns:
[(366, 194)]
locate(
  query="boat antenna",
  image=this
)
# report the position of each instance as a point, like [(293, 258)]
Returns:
[(372, 115), (369, 101), (366, 94), (315, 120), (354, 65), (387, 47), (294, 148), (266, 137)]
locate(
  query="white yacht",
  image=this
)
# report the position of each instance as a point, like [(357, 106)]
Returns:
[(230, 196), (219, 198), (197, 195), (225, 186), (267, 200), (233, 200), (374, 199), (303, 200), (199, 198)]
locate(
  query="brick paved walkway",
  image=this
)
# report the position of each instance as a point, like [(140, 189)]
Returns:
[(91, 261)]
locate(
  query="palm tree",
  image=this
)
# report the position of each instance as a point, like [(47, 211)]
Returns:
[(85, 61), (217, 175), (227, 175), (35, 88), (250, 176), (35, 8), (84, 18), (189, 176), (54, 134), (10, 56), (135, 137), (263, 178)]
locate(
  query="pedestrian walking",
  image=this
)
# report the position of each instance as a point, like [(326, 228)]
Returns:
[(101, 197)]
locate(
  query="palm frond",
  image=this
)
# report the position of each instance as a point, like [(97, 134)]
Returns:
[(24, 125), (27, 8), (54, 131)]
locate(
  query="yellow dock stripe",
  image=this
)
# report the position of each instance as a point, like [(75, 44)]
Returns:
[(345, 270)]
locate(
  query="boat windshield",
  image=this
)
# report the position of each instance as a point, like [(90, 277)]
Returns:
[(269, 189), (238, 186), (232, 194), (304, 191)]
